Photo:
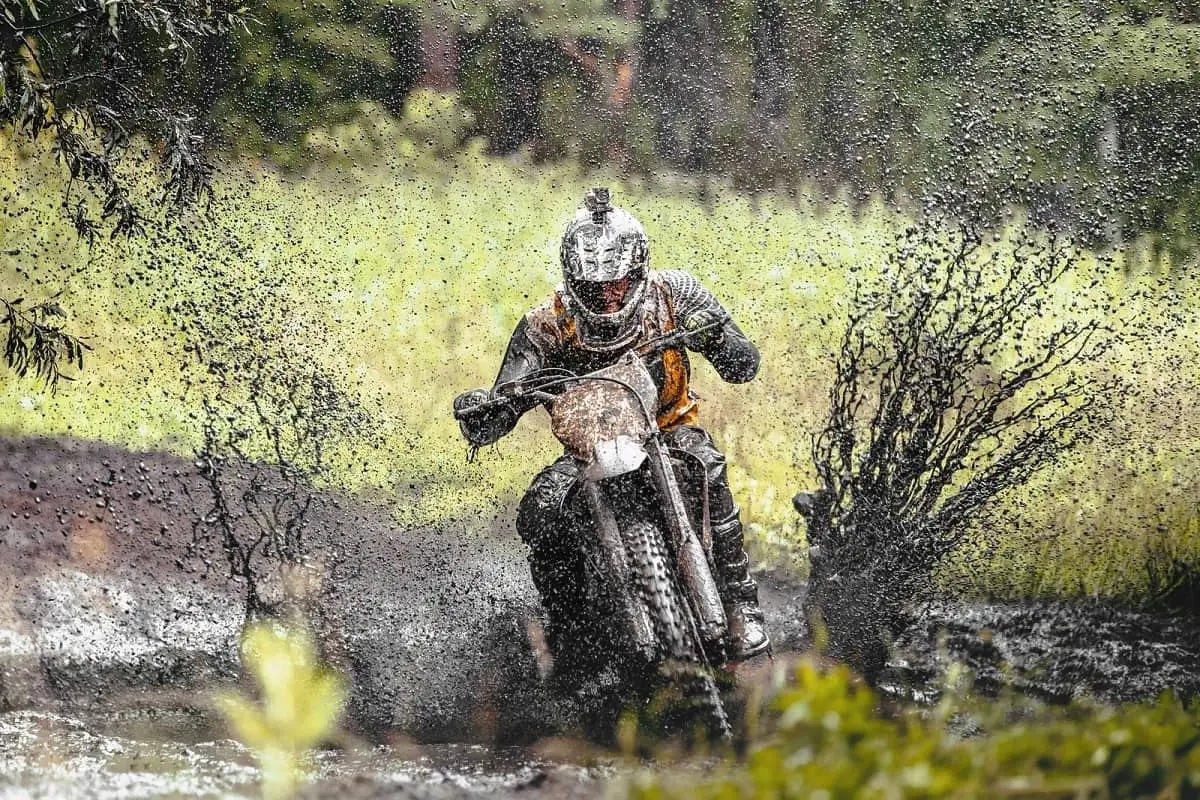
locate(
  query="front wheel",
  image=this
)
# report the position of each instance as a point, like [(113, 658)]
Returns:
[(681, 660)]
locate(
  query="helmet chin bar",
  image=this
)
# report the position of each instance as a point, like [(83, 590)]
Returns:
[(604, 333)]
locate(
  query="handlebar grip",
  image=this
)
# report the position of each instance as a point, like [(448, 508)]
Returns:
[(478, 408)]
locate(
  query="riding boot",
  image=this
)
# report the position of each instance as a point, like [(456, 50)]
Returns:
[(739, 593)]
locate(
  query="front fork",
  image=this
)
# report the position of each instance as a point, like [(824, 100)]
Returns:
[(694, 569), (695, 572)]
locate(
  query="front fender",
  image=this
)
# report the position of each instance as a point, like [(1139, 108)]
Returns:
[(613, 457)]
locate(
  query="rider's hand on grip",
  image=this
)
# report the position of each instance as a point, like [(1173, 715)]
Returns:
[(482, 417), (706, 330), (469, 400)]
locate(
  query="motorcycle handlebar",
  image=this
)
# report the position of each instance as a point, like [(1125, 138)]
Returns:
[(516, 391), (536, 384), (470, 411), (677, 337)]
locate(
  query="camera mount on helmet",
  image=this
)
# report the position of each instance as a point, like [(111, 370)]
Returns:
[(598, 201)]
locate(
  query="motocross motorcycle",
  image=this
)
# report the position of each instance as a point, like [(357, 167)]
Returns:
[(649, 612)]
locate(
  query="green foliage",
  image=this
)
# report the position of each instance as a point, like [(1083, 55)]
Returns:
[(300, 702), (405, 272), (574, 19), (1069, 110), (301, 66), (1075, 94), (827, 736), (90, 75), (1084, 113), (37, 343)]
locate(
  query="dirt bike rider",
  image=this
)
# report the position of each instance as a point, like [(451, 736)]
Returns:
[(609, 303)]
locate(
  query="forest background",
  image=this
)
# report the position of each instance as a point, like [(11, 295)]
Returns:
[(1089, 109)]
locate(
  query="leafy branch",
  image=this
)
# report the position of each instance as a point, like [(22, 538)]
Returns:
[(91, 78), (35, 341), (90, 75)]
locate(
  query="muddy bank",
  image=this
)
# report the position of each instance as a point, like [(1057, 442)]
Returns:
[(102, 606), (1053, 651), (102, 602), (95, 599)]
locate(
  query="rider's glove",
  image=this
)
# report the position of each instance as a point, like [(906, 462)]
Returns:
[(486, 425), (470, 399), (707, 330)]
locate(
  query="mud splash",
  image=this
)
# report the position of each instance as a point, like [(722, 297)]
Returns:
[(104, 602), (112, 634)]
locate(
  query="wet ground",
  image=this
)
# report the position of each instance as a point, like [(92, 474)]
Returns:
[(1055, 652), (113, 634), (49, 755)]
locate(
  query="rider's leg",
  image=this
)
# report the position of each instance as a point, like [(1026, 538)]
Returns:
[(543, 525), (739, 592)]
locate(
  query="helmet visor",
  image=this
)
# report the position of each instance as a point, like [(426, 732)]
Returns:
[(603, 297)]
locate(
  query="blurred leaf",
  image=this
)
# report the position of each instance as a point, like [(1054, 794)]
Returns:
[(246, 719), (301, 702), (829, 738)]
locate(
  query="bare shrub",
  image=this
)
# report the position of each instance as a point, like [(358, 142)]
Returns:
[(963, 370), (260, 457)]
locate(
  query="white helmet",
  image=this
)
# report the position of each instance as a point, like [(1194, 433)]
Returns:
[(605, 259)]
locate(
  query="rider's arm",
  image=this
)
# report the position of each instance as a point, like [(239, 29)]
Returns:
[(730, 352), (522, 358), (485, 427)]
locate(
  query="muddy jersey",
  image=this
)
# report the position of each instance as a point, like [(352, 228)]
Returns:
[(547, 337)]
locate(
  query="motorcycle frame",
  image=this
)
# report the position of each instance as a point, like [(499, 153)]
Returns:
[(691, 559)]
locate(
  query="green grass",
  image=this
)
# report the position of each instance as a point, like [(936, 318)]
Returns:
[(826, 736), (411, 271)]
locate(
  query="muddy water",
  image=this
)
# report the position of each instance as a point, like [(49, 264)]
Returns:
[(48, 755), (1055, 652), (112, 634)]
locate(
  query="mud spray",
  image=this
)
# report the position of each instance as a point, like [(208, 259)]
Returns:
[(113, 629)]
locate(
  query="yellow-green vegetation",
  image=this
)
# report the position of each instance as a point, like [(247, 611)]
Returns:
[(826, 737), (409, 268), (300, 704)]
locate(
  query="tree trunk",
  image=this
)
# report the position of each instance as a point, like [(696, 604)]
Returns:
[(688, 67), (439, 50), (1108, 143), (770, 89), (518, 75)]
